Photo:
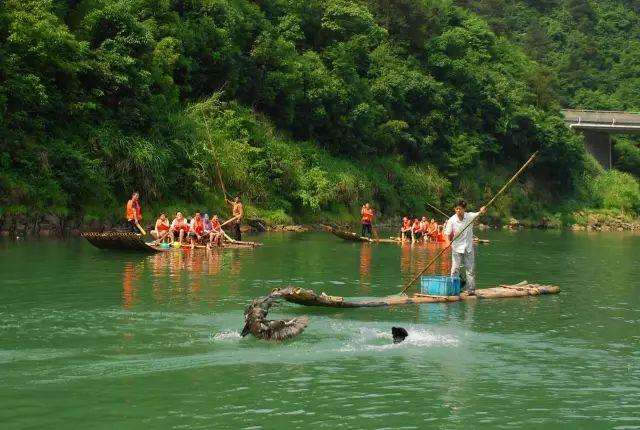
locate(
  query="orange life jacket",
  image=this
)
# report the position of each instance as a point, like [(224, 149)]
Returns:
[(198, 226), (133, 210), (215, 225), (367, 216)]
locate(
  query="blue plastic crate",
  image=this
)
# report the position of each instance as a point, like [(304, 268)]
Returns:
[(438, 285)]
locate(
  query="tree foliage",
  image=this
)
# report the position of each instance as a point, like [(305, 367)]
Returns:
[(307, 106)]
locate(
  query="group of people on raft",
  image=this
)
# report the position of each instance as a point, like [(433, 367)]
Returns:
[(200, 228), (458, 229), (417, 230)]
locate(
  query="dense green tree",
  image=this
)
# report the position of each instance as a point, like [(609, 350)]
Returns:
[(307, 106)]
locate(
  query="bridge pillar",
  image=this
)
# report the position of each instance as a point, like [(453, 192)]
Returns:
[(598, 144)]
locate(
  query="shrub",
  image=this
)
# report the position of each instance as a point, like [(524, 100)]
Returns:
[(616, 190)]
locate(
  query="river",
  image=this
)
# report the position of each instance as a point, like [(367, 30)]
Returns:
[(98, 339)]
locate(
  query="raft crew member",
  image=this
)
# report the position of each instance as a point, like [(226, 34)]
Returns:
[(179, 227), (161, 229), (405, 230), (416, 231), (462, 253), (196, 229), (215, 235), (134, 212), (238, 212), (367, 218)]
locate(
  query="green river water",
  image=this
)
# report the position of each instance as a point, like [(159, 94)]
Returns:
[(98, 339)]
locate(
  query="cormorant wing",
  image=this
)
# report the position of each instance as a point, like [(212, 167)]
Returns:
[(285, 329)]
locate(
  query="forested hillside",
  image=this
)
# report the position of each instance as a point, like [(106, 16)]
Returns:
[(590, 51), (310, 107)]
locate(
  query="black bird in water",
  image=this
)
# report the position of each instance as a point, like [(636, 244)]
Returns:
[(399, 334), (256, 322)]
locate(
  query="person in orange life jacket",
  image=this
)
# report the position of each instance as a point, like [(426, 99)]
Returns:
[(179, 227), (432, 231), (416, 231), (196, 229), (134, 212), (367, 219), (161, 230), (424, 228), (405, 229), (215, 235)]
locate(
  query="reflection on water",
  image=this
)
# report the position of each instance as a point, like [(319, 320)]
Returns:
[(178, 273), (365, 269), (415, 257)]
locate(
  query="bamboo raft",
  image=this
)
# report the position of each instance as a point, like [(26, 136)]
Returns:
[(124, 241), (307, 297), (354, 237), (127, 241)]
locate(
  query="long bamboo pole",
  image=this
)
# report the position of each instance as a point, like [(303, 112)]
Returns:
[(438, 210), (215, 156), (489, 203)]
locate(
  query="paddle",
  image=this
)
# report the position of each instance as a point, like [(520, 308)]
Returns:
[(502, 190)]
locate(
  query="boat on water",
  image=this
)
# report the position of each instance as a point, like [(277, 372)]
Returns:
[(127, 241), (308, 297), (354, 237)]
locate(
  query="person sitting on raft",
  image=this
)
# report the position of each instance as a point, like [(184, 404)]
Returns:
[(179, 227), (424, 227), (161, 229), (405, 230), (215, 235), (462, 252), (432, 231), (196, 229), (367, 218), (416, 231), (134, 213), (207, 225)]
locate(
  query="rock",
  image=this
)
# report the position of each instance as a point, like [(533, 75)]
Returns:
[(296, 228), (578, 227)]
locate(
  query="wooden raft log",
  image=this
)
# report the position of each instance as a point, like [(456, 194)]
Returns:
[(308, 297)]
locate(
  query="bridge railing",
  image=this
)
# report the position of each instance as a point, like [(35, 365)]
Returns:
[(612, 118)]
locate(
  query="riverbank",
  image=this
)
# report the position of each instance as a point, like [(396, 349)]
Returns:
[(583, 220)]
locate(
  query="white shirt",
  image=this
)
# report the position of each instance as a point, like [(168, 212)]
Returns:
[(464, 243)]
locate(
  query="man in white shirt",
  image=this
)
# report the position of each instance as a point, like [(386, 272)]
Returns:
[(462, 253)]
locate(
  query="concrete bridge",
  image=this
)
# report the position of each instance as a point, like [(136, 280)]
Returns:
[(598, 126)]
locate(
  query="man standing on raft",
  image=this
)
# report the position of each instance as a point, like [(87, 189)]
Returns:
[(238, 212), (134, 213), (462, 253), (367, 218)]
